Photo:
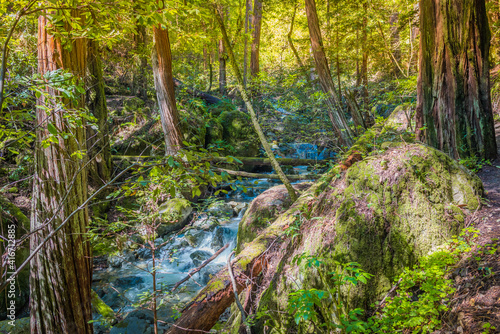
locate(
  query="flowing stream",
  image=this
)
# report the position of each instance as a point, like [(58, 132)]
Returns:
[(125, 283)]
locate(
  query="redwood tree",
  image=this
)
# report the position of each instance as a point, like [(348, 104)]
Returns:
[(165, 91), (454, 111), (61, 272), (335, 113)]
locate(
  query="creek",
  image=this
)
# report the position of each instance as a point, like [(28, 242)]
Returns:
[(122, 284)]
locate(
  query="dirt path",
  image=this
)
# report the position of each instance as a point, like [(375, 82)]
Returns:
[(476, 302)]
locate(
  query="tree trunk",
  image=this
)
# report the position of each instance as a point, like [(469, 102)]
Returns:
[(395, 44), (61, 273), (257, 23), (335, 113), (454, 111), (248, 8), (253, 116), (364, 55), (98, 141), (165, 92), (222, 68)]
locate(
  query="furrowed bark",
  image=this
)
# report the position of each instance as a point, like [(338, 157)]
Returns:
[(165, 92), (454, 112), (61, 272)]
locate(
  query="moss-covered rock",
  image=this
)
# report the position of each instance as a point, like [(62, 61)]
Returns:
[(174, 215), (239, 133), (385, 219), (263, 211)]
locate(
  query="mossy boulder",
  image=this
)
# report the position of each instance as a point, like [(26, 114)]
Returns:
[(384, 212), (174, 215), (239, 133), (263, 211)]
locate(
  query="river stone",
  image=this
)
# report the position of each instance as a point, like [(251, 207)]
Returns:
[(116, 261), (199, 257), (206, 223), (194, 237), (218, 238), (220, 209), (263, 211), (174, 215), (139, 321)]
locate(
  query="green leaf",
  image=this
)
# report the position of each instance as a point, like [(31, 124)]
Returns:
[(52, 129)]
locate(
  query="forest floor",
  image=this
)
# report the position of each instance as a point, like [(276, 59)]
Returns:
[(475, 306)]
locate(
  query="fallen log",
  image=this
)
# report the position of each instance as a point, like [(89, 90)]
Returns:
[(209, 99), (247, 161), (268, 176)]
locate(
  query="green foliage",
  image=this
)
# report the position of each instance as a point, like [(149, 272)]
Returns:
[(325, 309), (473, 163), (423, 293)]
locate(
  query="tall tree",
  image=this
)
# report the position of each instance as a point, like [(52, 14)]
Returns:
[(165, 90), (335, 112), (61, 272), (222, 60), (253, 116), (98, 141), (454, 111), (257, 24)]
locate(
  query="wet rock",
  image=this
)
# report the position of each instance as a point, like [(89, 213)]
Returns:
[(220, 209), (194, 237), (206, 223), (116, 261), (140, 321), (199, 257), (144, 253), (218, 238)]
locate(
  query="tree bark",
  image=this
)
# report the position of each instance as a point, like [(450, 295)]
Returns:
[(98, 141), (257, 24), (61, 273), (335, 113), (165, 92), (454, 111), (364, 56), (222, 68), (248, 28)]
